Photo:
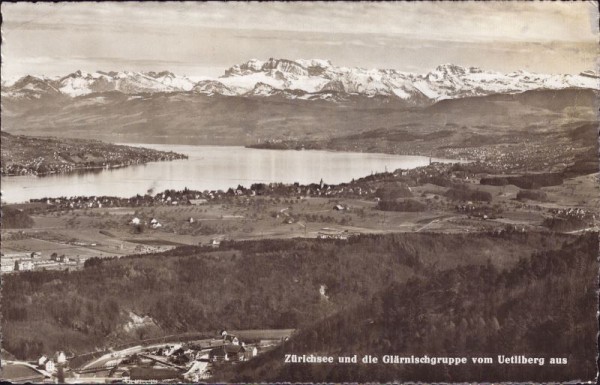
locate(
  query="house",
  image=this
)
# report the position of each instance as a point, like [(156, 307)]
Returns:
[(46, 364), (24, 265), (230, 338), (49, 366), (191, 220), (250, 352), (59, 258), (61, 357), (135, 221), (170, 350), (42, 360), (198, 202), (218, 355), (7, 266), (228, 353), (214, 243), (339, 208)]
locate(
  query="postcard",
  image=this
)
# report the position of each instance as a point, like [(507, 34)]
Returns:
[(300, 192)]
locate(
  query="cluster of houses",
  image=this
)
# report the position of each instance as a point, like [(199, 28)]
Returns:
[(154, 223), (191, 362), (232, 350), (477, 211), (523, 154), (364, 188), (12, 263), (578, 213), (44, 370), (510, 229), (50, 364), (70, 157), (175, 362), (228, 348), (29, 167), (16, 262), (190, 197)]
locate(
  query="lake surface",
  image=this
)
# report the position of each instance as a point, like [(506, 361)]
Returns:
[(210, 168)]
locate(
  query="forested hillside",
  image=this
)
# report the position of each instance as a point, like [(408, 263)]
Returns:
[(544, 306), (241, 285)]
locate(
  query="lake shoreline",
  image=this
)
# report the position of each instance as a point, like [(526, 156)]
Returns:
[(24, 155), (211, 168)]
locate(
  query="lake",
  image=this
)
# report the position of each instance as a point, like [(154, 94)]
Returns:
[(210, 168)]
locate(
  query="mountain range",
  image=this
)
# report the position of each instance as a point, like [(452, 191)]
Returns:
[(313, 79)]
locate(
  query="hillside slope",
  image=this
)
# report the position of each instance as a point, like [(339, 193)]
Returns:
[(544, 306), (27, 155), (241, 285)]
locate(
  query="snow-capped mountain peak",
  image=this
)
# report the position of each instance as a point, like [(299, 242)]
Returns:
[(307, 63), (308, 79)]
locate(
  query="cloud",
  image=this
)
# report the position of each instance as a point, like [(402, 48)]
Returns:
[(42, 36), (430, 20)]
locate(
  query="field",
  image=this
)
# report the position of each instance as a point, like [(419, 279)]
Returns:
[(80, 234), (439, 250)]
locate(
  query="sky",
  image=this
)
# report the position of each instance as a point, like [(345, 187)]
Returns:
[(204, 39)]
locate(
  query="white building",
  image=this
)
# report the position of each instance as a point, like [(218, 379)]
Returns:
[(61, 358), (24, 265), (8, 266)]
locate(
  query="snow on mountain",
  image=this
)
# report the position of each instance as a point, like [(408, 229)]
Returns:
[(314, 63), (211, 87), (31, 87), (171, 80), (444, 82), (82, 83), (9, 81), (262, 89), (308, 79)]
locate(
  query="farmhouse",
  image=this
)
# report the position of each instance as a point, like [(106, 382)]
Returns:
[(24, 265), (230, 338), (46, 364), (7, 265), (228, 353), (61, 357)]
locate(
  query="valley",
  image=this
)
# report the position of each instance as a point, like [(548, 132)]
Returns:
[(438, 250)]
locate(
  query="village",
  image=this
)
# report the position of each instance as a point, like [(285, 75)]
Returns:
[(440, 197), (171, 359), (39, 156)]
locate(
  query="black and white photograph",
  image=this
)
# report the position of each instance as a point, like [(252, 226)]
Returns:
[(299, 192)]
